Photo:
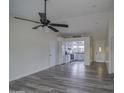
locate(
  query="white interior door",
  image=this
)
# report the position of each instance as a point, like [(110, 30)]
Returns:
[(52, 53), (100, 54), (63, 53)]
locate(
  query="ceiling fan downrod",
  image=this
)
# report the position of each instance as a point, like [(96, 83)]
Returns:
[(45, 10)]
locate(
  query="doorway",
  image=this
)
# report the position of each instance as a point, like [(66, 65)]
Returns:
[(68, 48), (100, 51), (74, 51)]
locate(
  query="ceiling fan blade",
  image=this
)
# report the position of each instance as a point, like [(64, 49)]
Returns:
[(59, 25), (26, 19), (36, 27), (52, 28)]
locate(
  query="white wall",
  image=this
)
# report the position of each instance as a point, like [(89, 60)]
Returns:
[(61, 50), (110, 44), (29, 49), (12, 91), (91, 50)]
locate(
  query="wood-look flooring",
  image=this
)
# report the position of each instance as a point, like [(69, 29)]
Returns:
[(68, 78)]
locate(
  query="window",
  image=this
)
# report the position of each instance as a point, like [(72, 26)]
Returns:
[(100, 49), (78, 47)]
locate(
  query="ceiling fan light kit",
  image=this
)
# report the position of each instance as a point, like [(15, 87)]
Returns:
[(44, 22)]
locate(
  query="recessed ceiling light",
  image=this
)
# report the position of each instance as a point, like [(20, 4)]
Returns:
[(97, 23), (93, 6)]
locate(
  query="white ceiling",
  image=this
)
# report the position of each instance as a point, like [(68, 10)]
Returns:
[(59, 9), (95, 24), (81, 15)]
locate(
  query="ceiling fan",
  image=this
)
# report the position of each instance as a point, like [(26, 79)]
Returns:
[(44, 22)]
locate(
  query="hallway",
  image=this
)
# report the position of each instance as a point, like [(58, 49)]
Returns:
[(68, 78)]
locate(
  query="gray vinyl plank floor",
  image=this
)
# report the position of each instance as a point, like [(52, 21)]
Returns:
[(72, 77)]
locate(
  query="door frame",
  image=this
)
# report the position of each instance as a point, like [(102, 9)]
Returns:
[(100, 43), (87, 57), (52, 53)]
